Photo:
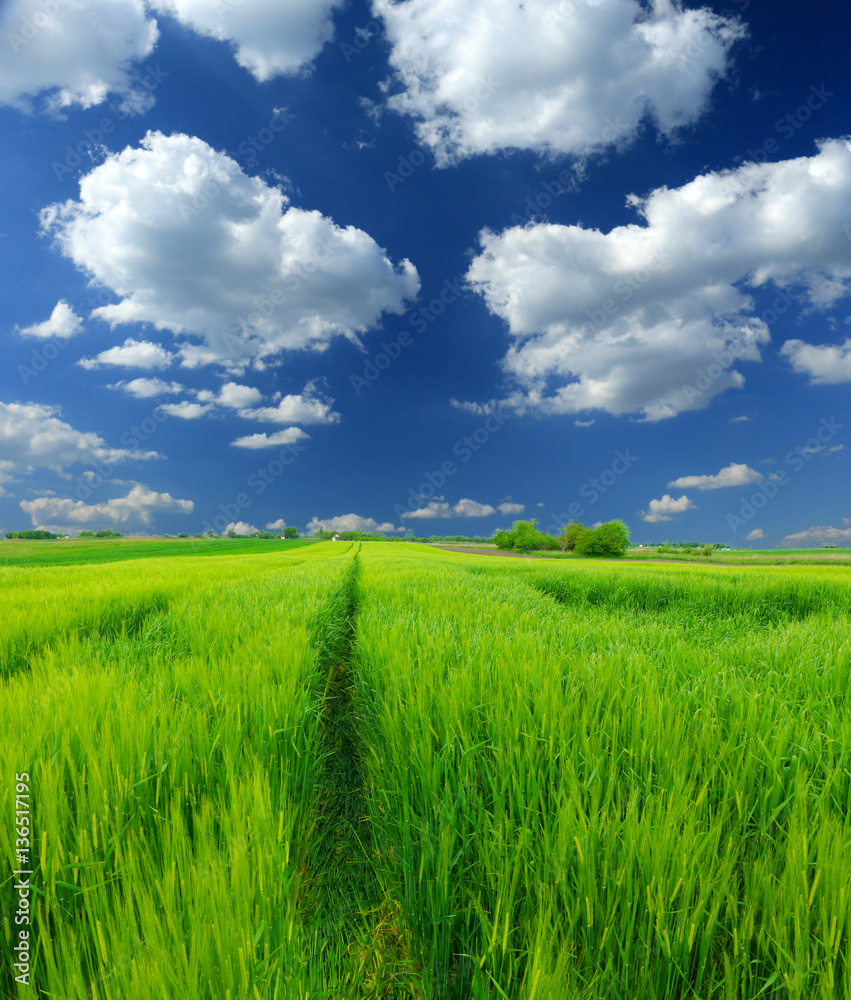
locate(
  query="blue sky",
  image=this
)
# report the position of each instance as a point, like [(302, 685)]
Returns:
[(426, 266)]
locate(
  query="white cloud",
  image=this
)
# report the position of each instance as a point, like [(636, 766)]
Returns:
[(478, 76), (754, 536), (303, 408), (654, 318), (131, 354), (511, 508), (63, 323), (740, 420), (286, 436), (240, 528), (431, 510), (232, 395), (826, 364), (470, 508), (464, 508), (584, 423), (191, 244), (270, 37), (32, 435), (350, 522), (185, 409), (137, 508), (7, 469), (74, 52), (147, 388), (665, 509), (735, 474), (278, 525), (817, 535)]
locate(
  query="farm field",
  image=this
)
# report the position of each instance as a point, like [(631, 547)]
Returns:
[(391, 771)]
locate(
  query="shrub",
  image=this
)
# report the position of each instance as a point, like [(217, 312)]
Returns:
[(609, 539)]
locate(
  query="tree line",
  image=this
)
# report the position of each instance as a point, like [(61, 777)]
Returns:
[(609, 539)]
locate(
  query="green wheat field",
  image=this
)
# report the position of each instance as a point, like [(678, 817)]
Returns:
[(382, 770)]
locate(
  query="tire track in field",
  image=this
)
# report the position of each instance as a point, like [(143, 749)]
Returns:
[(339, 888)]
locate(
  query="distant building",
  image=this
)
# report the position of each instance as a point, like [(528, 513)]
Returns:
[(336, 538)]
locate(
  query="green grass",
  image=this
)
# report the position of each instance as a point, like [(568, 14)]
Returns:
[(84, 551), (384, 771)]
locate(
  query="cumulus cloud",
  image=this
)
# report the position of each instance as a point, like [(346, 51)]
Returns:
[(131, 354), (287, 436), (432, 509), (33, 435), (654, 318), (62, 324), (191, 244), (185, 409), (735, 474), (7, 470), (306, 407), (826, 364), (278, 525), (78, 52), (232, 395), (665, 509), (817, 535), (470, 508), (350, 522), (478, 76), (464, 508), (137, 508), (511, 508), (240, 528), (75, 53), (270, 37), (147, 388), (754, 536)]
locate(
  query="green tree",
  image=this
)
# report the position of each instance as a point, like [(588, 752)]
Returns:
[(290, 531), (569, 535), (524, 535), (503, 539), (609, 539)]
